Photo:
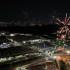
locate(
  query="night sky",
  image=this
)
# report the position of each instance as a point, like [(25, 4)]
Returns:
[(38, 9)]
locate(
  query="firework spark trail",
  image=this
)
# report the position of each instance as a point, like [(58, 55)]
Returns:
[(64, 29)]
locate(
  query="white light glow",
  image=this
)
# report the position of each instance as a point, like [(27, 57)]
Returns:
[(12, 34), (24, 42), (54, 57), (3, 33)]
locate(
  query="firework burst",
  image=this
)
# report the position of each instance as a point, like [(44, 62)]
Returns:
[(64, 30)]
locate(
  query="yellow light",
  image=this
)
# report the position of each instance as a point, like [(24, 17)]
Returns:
[(68, 51)]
